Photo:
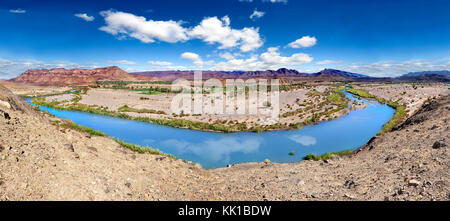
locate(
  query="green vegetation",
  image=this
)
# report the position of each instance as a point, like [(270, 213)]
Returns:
[(292, 153), (313, 93), (80, 128), (365, 94), (133, 147), (400, 110), (125, 108), (142, 150), (131, 82), (328, 155), (399, 116), (337, 98)]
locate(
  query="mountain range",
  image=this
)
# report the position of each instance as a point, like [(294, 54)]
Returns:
[(79, 77)]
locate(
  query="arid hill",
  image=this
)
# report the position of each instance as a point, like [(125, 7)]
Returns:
[(76, 77)]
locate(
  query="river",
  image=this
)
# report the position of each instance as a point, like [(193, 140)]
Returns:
[(213, 150)]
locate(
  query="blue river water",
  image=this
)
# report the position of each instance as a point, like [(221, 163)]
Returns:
[(214, 150)]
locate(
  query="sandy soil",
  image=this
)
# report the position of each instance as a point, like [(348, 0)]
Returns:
[(32, 90), (412, 96)]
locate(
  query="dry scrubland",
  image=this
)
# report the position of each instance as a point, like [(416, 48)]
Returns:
[(298, 107), (40, 161), (412, 95)]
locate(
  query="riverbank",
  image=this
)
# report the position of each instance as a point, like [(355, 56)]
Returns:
[(298, 108), (43, 162)]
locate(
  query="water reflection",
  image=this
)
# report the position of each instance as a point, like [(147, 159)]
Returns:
[(303, 139), (214, 150)]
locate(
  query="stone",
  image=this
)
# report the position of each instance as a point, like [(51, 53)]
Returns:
[(438, 144), (70, 147), (414, 183)]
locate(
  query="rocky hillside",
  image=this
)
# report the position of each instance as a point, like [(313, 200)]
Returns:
[(76, 77), (39, 161)]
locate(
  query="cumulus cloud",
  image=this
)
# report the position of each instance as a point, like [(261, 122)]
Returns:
[(303, 42), (214, 30), (18, 11), (276, 1), (272, 56), (159, 63), (196, 59), (123, 62), (164, 65), (126, 24), (327, 62), (271, 59), (12, 68), (85, 17), (395, 68), (227, 56), (211, 30), (256, 14)]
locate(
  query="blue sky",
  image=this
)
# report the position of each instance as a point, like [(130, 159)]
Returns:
[(378, 38)]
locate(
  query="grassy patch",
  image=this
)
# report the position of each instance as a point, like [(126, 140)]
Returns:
[(365, 94), (80, 128), (327, 156), (125, 108), (400, 110), (142, 150), (399, 116)]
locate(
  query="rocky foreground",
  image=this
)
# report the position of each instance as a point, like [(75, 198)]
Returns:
[(39, 161)]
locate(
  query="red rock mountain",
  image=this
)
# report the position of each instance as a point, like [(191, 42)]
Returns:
[(77, 77)]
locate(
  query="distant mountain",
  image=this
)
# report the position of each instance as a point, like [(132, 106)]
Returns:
[(327, 74), (80, 77), (76, 77), (332, 73), (413, 74), (427, 76)]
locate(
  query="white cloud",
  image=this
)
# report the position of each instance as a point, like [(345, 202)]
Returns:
[(123, 62), (271, 59), (227, 56), (303, 140), (10, 69), (85, 17), (327, 62), (257, 14), (213, 30), (304, 42), (196, 59), (159, 63), (272, 56), (276, 1), (126, 24), (18, 11), (395, 68)]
